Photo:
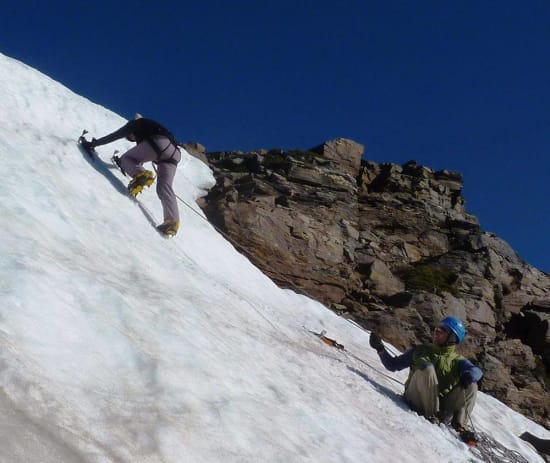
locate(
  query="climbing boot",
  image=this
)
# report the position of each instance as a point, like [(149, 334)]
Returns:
[(169, 227), (466, 435), (140, 181)]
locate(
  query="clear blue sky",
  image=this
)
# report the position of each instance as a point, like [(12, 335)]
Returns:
[(458, 85)]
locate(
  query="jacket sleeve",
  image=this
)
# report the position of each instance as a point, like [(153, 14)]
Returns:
[(124, 131), (465, 365), (396, 363)]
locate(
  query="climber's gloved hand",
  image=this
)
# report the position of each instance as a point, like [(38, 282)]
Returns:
[(375, 342), (89, 145), (465, 380)]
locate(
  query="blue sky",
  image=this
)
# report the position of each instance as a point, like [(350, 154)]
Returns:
[(462, 86)]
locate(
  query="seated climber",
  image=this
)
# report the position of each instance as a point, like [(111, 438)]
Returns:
[(442, 385)]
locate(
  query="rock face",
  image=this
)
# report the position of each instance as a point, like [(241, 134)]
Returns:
[(392, 247)]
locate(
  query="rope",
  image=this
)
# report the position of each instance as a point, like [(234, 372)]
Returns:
[(290, 284), (468, 413), (372, 368), (489, 449), (340, 347)]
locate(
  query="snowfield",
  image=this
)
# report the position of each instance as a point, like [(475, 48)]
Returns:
[(119, 346)]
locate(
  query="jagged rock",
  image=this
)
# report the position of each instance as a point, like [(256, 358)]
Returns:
[(532, 326), (516, 383), (393, 247), (196, 150), (382, 282), (516, 355), (346, 153)]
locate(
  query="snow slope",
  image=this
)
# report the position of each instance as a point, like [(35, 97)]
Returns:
[(119, 346)]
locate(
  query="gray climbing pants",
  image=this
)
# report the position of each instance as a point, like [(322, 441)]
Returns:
[(132, 163), (422, 394)]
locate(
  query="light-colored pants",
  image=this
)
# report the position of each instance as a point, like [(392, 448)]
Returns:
[(423, 397), (132, 163)]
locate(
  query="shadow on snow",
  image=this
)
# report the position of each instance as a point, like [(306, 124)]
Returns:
[(105, 169)]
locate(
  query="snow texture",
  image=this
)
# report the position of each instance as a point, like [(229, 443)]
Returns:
[(119, 346)]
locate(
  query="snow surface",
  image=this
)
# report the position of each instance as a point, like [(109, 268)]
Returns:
[(119, 346)]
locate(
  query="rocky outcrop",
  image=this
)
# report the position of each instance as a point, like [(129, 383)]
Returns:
[(393, 247), (196, 150)]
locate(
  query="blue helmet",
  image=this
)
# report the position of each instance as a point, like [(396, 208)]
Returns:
[(456, 326)]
